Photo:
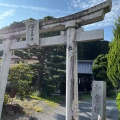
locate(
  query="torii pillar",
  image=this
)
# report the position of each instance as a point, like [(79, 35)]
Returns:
[(4, 70), (71, 73)]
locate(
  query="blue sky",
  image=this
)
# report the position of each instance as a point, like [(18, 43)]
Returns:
[(14, 10)]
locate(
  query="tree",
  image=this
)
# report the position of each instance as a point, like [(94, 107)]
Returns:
[(56, 67), (100, 67), (20, 76), (20, 72), (100, 72), (96, 48), (113, 69), (50, 68)]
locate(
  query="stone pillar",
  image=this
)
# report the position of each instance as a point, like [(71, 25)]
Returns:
[(71, 73), (4, 71), (99, 100)]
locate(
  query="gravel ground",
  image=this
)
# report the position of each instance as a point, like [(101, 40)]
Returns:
[(58, 113)]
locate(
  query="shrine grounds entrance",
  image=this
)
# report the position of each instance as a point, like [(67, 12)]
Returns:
[(84, 83), (71, 31)]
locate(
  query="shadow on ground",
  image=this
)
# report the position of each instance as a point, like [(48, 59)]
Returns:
[(59, 117)]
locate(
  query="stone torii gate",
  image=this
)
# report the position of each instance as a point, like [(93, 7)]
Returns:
[(71, 33)]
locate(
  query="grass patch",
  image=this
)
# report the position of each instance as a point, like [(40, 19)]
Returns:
[(52, 101), (111, 98), (36, 98), (55, 99), (38, 109), (85, 96), (51, 104)]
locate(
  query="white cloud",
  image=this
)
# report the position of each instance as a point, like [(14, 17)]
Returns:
[(34, 8), (84, 4), (109, 17), (7, 13)]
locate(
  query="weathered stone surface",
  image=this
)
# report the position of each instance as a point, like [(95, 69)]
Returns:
[(4, 71), (32, 33), (99, 100), (71, 74)]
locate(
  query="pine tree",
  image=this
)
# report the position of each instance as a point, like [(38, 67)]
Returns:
[(113, 69), (50, 69)]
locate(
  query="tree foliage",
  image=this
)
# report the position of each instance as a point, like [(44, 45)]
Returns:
[(50, 69), (100, 72), (100, 67), (20, 76), (113, 69), (90, 50), (51, 66), (20, 72)]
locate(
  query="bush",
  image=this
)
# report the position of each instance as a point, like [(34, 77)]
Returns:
[(6, 98), (50, 89), (36, 93), (23, 88)]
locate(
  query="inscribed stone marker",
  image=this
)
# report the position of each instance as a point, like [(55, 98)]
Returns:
[(99, 100)]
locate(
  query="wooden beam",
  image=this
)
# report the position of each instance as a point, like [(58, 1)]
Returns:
[(19, 45), (94, 17), (16, 33), (58, 27), (93, 35), (81, 36), (52, 41), (84, 20), (105, 6), (91, 18)]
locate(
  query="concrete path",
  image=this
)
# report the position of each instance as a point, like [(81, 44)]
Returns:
[(85, 108)]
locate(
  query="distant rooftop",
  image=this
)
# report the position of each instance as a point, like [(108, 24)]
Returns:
[(85, 66), (16, 57)]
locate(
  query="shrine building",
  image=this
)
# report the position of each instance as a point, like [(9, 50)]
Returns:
[(85, 75)]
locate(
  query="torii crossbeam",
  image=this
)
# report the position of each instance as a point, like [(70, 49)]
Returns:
[(71, 33)]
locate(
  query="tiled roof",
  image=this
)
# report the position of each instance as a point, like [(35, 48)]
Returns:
[(85, 66)]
